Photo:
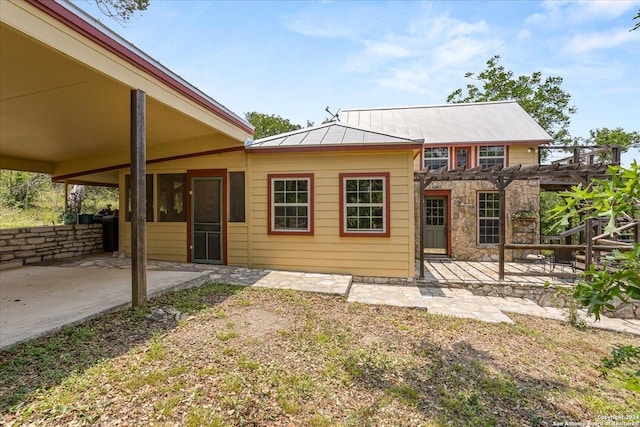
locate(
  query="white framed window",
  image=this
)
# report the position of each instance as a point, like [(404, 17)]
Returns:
[(488, 218), (291, 204), (489, 156), (364, 200), (436, 157)]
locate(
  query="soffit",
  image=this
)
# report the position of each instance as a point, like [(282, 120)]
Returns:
[(60, 115)]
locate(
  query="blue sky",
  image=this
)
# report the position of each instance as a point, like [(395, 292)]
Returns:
[(294, 58)]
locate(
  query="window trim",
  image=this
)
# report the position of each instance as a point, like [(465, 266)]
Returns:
[(478, 217), (424, 157), (386, 232), (310, 203), (504, 156)]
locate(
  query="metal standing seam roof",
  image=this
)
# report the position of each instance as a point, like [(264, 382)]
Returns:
[(472, 123), (329, 135)]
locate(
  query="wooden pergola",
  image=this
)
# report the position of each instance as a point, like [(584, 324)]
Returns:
[(502, 177)]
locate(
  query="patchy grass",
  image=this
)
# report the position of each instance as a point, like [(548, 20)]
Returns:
[(249, 356)]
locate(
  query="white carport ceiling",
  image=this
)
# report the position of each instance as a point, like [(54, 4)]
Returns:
[(59, 115)]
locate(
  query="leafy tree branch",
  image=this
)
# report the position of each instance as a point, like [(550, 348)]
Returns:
[(270, 124), (600, 286), (543, 98), (121, 10)]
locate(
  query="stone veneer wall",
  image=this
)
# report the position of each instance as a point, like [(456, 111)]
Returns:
[(20, 246), (520, 195), (370, 280)]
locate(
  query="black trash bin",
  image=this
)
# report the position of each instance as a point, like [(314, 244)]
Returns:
[(109, 233)]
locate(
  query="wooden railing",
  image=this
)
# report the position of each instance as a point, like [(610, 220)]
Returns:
[(586, 154)]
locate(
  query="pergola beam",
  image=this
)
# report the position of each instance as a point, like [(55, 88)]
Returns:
[(501, 177)]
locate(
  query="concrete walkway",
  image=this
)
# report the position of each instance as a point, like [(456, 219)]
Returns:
[(36, 300)]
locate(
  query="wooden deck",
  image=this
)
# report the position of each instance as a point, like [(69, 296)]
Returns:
[(470, 272)]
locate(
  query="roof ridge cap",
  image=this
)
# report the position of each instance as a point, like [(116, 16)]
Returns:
[(453, 104)]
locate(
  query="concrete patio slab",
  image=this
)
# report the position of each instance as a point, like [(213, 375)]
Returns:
[(36, 300)]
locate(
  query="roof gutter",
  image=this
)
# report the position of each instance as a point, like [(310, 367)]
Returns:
[(335, 148), (485, 143)]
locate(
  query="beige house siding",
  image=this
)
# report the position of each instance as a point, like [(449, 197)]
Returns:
[(326, 250), (168, 240), (249, 244), (520, 155), (165, 241)]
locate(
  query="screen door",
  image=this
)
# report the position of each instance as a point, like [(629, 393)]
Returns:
[(206, 220)]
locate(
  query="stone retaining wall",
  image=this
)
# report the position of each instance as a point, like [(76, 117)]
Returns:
[(541, 295), (370, 280), (20, 246), (545, 296)]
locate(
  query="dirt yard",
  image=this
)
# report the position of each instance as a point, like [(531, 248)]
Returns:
[(222, 355)]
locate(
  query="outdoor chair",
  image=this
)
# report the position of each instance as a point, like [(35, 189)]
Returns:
[(564, 257), (537, 259)]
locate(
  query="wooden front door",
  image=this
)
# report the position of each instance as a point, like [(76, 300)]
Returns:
[(435, 226), (207, 220)]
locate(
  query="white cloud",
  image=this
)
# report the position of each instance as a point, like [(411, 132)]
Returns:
[(446, 27), (586, 10), (561, 13), (463, 51), (309, 24), (412, 77), (524, 34), (417, 57), (428, 73), (586, 42), (386, 49)]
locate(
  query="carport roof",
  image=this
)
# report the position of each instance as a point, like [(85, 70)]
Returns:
[(65, 85)]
